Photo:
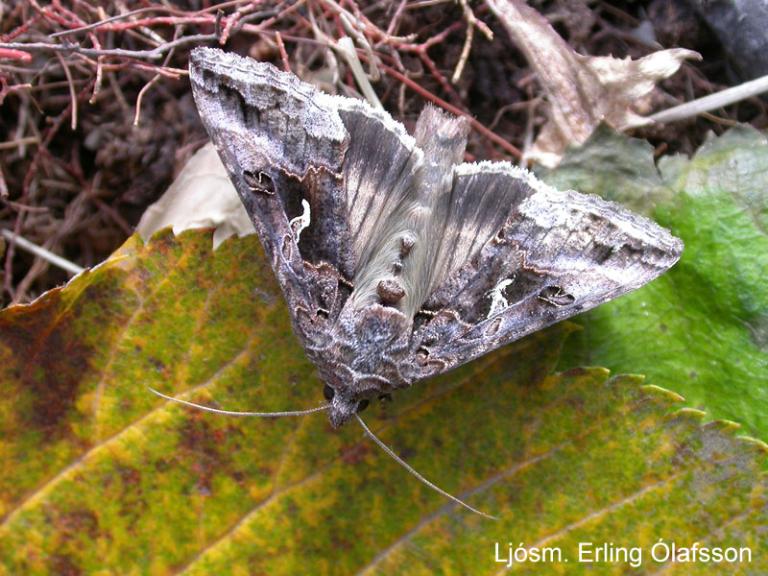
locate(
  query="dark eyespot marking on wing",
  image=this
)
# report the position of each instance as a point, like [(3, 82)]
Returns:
[(556, 296), (287, 247), (259, 182)]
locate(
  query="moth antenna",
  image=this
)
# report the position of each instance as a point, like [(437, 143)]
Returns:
[(232, 413), (410, 469)]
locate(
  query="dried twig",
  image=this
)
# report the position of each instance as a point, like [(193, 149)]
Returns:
[(283, 54), (708, 103), (346, 48), (140, 97), (73, 48), (472, 23), (41, 252), (64, 53), (11, 144), (72, 94)]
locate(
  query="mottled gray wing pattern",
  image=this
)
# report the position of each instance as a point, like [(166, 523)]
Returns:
[(316, 173), (538, 257)]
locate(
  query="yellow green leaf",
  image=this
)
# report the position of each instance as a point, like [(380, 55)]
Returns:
[(102, 477), (701, 329)]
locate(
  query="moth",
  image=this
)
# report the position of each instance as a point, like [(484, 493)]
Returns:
[(397, 260)]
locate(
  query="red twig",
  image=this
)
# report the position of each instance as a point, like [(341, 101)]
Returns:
[(477, 126), (283, 53), (11, 54)]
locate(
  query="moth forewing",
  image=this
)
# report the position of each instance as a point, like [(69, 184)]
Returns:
[(396, 260), (556, 254)]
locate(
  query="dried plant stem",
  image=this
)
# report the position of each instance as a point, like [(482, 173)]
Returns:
[(72, 93), (708, 103), (41, 252), (11, 144), (346, 48), (472, 23), (283, 54), (154, 54), (477, 126), (140, 97)]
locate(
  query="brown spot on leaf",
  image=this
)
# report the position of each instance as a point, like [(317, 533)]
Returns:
[(54, 352), (62, 565), (79, 522), (355, 454), (130, 476), (206, 450)]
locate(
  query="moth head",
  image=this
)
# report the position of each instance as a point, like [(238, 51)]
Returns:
[(343, 404)]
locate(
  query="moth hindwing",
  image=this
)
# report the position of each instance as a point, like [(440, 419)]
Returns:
[(398, 261)]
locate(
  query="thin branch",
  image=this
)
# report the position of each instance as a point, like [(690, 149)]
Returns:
[(708, 103), (140, 97), (72, 48), (111, 19), (283, 53), (154, 79), (9, 145), (472, 23), (346, 48), (464, 54), (72, 93), (41, 252), (478, 126), (395, 22)]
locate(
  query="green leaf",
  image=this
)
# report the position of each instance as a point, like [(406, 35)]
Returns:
[(614, 167), (102, 477), (702, 328)]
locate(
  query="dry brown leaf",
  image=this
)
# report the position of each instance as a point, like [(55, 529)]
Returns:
[(202, 196), (582, 91)]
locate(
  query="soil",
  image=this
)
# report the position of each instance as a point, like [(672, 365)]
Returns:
[(77, 172)]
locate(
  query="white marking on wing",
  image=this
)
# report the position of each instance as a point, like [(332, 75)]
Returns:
[(301, 222), (498, 302)]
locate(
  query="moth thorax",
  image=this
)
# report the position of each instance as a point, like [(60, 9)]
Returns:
[(381, 280)]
